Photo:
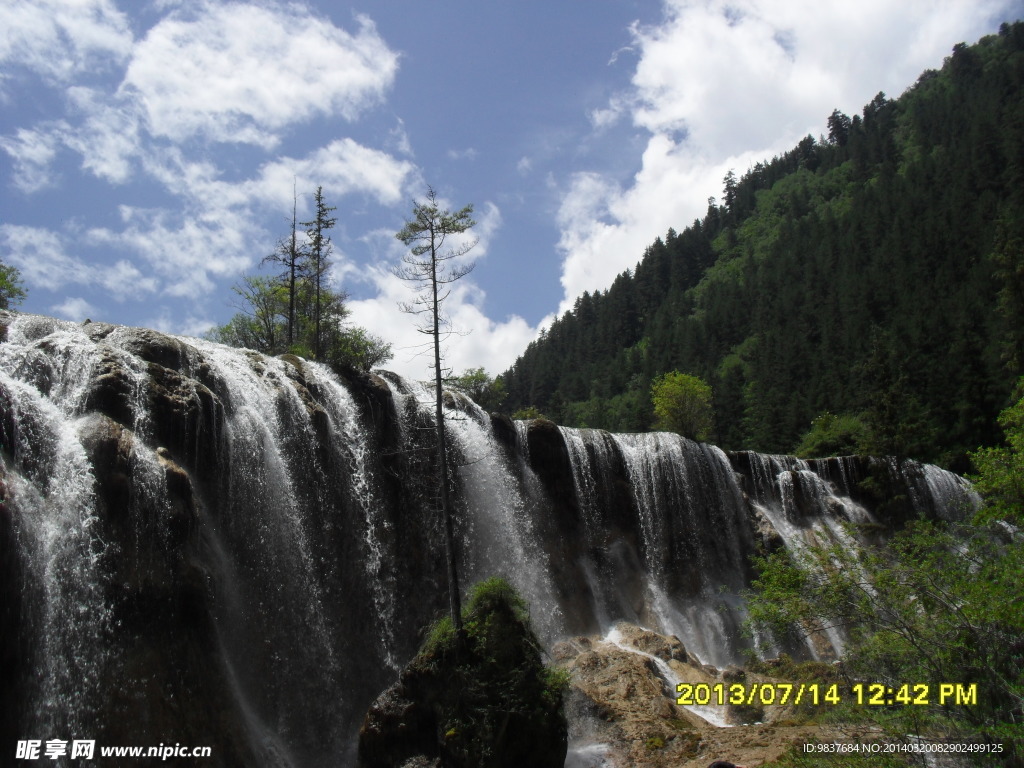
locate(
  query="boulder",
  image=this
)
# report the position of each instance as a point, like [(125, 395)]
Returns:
[(482, 699)]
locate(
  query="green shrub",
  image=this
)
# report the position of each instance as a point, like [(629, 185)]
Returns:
[(495, 702), (832, 435)]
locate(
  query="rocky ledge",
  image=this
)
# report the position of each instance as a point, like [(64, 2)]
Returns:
[(622, 710)]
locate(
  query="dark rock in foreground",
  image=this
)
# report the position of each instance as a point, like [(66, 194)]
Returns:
[(486, 701)]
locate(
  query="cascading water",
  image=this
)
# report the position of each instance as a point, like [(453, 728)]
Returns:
[(279, 540), (274, 480), (693, 540), (57, 540), (206, 544), (350, 441), (496, 524)]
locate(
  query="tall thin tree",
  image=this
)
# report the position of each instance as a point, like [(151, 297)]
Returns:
[(290, 255), (430, 266), (319, 261)]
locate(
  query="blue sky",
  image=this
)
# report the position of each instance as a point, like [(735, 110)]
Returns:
[(148, 149)]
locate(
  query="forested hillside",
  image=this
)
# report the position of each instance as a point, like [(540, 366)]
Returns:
[(875, 275)]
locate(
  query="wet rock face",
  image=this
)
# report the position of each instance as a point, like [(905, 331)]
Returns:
[(160, 599), (665, 647), (15, 657), (404, 727), (151, 415)]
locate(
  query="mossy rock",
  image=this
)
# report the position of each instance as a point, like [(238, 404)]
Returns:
[(485, 699)]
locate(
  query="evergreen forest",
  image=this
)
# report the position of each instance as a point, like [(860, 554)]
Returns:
[(862, 291)]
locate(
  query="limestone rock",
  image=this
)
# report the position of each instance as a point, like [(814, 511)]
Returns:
[(620, 699)]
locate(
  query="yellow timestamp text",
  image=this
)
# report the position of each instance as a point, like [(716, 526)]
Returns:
[(815, 694)]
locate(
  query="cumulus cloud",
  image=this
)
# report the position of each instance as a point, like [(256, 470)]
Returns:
[(105, 134), (238, 73), (723, 84), (342, 167), (108, 135), (57, 39), (242, 72), (476, 341), (75, 309)]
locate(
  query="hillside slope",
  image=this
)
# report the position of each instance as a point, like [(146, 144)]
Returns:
[(877, 273)]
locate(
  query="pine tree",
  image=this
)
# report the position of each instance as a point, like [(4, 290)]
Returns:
[(291, 256), (431, 265), (318, 262)]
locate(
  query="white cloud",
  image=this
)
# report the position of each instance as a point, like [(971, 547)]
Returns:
[(398, 140), (242, 72), (722, 85), (33, 151), (477, 341), (105, 133), (75, 309), (58, 39), (109, 137), (342, 167), (185, 252), (41, 257), (470, 153)]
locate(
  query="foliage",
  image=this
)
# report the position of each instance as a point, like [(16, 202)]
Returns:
[(1000, 469), (939, 604), (262, 324), (297, 312), (682, 404), (494, 692), (12, 290), (316, 266), (357, 347), (823, 282), (476, 384), (832, 435), (528, 413)]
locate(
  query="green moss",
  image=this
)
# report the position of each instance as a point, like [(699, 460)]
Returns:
[(655, 742), (679, 724), (494, 700)]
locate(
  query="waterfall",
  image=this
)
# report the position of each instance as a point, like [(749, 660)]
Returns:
[(207, 545), (693, 536), (49, 497), (497, 523), (279, 539)]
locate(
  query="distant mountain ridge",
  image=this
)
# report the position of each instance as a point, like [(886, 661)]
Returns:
[(877, 272)]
